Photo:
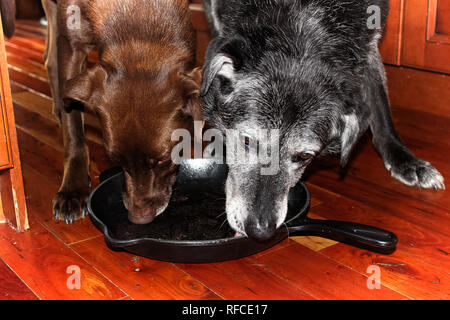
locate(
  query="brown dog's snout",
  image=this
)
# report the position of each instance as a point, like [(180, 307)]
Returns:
[(145, 196), (141, 213), (143, 218)]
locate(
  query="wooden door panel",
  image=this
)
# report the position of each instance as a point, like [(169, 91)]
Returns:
[(426, 40), (438, 24), (443, 23), (390, 46)]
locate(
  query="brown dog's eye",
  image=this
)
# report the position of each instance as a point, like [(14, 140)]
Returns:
[(302, 157), (151, 163), (164, 160)]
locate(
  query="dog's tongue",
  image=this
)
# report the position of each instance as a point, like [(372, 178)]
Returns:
[(238, 235)]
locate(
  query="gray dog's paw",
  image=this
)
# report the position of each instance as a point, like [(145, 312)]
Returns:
[(70, 206), (418, 173)]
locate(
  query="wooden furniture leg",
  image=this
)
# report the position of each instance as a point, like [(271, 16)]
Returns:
[(13, 209)]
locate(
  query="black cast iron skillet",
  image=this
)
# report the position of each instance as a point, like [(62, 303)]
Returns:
[(193, 228)]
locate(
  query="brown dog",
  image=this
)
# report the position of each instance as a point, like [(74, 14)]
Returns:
[(143, 88)]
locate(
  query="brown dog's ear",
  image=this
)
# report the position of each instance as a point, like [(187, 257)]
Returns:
[(192, 82), (85, 90)]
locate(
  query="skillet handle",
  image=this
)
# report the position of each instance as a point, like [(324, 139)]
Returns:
[(346, 231)]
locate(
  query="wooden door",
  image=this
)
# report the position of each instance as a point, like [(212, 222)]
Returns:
[(426, 40), (390, 46)]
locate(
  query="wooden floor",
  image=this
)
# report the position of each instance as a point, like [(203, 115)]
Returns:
[(33, 265)]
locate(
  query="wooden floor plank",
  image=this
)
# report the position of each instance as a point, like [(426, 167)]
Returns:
[(38, 127), (320, 276), (31, 43), (40, 156), (370, 169), (143, 278), (36, 119), (44, 107), (11, 287), (42, 261), (427, 208), (33, 26), (399, 272), (414, 240), (16, 87), (36, 84), (311, 242), (37, 130), (39, 201), (243, 280), (286, 242), (25, 53), (27, 66), (314, 243), (382, 199), (367, 164)]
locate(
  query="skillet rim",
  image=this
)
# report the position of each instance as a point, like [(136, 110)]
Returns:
[(122, 244)]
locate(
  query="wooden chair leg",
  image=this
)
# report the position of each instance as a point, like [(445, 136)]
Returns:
[(2, 215), (13, 209), (12, 197)]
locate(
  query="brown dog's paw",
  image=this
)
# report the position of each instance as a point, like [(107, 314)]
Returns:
[(70, 206)]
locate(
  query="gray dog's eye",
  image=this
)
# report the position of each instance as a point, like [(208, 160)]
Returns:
[(302, 157), (251, 143), (246, 140)]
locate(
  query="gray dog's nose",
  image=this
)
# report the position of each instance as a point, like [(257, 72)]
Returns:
[(260, 232)]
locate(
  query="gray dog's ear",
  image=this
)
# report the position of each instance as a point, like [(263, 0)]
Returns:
[(85, 90), (349, 136), (221, 65)]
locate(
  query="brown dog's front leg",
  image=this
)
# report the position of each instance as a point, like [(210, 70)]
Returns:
[(70, 203)]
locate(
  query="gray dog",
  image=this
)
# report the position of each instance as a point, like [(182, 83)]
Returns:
[(310, 69)]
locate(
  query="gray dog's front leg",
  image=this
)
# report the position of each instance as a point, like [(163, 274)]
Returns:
[(398, 159)]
